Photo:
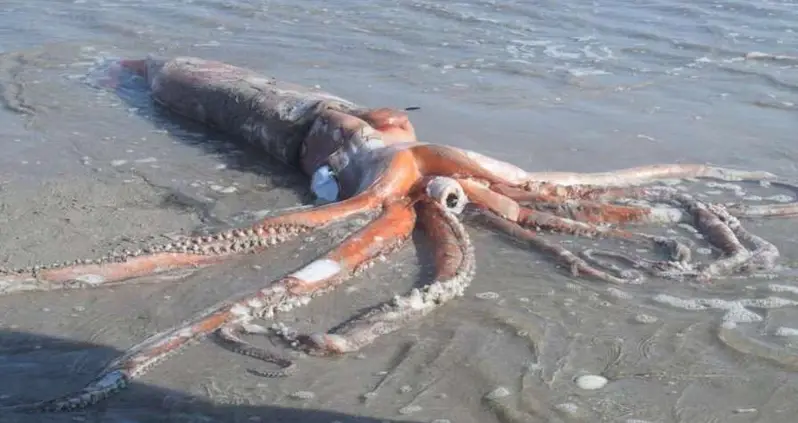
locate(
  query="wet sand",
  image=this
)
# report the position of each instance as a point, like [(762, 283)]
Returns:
[(84, 172)]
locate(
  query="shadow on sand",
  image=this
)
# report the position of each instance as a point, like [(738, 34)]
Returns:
[(36, 367)]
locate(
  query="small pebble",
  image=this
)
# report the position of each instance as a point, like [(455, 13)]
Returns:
[(303, 395), (786, 332), (567, 408), (228, 190), (79, 308), (487, 295), (499, 392), (617, 293), (405, 389), (745, 410), (591, 382), (410, 409), (703, 251), (573, 287), (645, 319), (441, 421), (116, 163), (780, 198)]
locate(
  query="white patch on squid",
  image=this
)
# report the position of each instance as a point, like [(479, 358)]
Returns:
[(186, 332), (666, 215), (91, 279), (240, 310), (318, 270), (255, 303), (255, 329), (511, 173)]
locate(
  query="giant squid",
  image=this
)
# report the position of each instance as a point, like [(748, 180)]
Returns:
[(369, 162)]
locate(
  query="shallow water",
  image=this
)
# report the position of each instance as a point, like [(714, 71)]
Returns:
[(548, 85)]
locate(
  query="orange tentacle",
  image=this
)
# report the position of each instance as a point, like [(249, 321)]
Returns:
[(393, 227), (457, 163), (496, 202), (593, 212), (92, 275), (551, 193)]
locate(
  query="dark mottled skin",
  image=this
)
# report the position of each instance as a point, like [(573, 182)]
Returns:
[(271, 114)]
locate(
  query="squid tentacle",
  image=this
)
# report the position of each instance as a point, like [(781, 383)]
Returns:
[(767, 210), (719, 234), (593, 212), (509, 209), (229, 334), (669, 269), (192, 252), (545, 192), (650, 173), (505, 207), (385, 233), (764, 255), (455, 268), (465, 163), (576, 264)]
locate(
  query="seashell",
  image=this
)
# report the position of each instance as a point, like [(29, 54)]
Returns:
[(591, 382)]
